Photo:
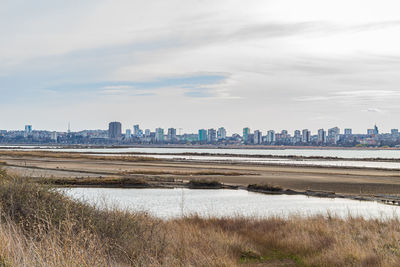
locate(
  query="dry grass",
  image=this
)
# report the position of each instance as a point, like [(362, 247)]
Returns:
[(95, 181), (186, 173), (41, 227), (265, 187), (204, 183), (70, 155)]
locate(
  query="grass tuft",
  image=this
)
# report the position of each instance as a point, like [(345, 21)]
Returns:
[(39, 226), (265, 187), (204, 183)]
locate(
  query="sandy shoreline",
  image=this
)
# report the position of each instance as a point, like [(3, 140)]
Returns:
[(244, 147), (360, 181)]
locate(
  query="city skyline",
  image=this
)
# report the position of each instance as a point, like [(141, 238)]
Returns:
[(265, 64), (136, 135), (115, 126), (135, 126)]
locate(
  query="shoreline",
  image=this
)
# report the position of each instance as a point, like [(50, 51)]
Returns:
[(138, 157), (200, 154), (72, 227), (383, 199), (227, 147), (352, 182)]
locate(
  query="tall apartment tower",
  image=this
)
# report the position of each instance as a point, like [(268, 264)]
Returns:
[(221, 134), (136, 130), (171, 135), (306, 136), (28, 130), (128, 134), (246, 133), (114, 130), (271, 136), (159, 135), (321, 136), (257, 137), (202, 135), (348, 131), (211, 135), (334, 135)]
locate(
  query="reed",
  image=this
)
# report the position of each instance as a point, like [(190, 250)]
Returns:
[(40, 226), (265, 187), (204, 183)]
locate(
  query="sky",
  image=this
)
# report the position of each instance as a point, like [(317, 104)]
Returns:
[(190, 64)]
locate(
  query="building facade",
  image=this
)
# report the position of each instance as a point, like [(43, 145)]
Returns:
[(114, 130)]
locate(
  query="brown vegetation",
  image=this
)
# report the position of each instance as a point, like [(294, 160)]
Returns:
[(71, 155), (187, 173), (340, 180), (41, 227), (204, 183), (265, 187), (96, 181)]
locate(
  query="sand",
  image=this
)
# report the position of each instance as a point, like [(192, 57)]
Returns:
[(340, 180)]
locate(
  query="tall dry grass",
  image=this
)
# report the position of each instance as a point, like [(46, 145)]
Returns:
[(41, 227)]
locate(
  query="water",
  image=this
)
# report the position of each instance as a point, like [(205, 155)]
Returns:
[(173, 203), (344, 156), (339, 153), (278, 161)]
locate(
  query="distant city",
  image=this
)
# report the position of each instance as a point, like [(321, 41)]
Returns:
[(135, 135)]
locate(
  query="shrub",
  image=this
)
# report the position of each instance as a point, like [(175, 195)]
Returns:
[(265, 187), (204, 183)]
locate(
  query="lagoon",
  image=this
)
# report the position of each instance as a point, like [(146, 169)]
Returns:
[(175, 203)]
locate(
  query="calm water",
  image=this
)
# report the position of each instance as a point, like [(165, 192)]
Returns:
[(171, 203), (280, 161), (340, 153), (344, 155)]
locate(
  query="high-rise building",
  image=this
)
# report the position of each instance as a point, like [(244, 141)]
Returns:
[(270, 136), (348, 131), (147, 132), (128, 133), (332, 132), (334, 135), (159, 135), (54, 136), (306, 136), (202, 136), (114, 130), (28, 130), (221, 134), (246, 132), (321, 136), (171, 135), (257, 137), (376, 130), (211, 135), (136, 130), (296, 136)]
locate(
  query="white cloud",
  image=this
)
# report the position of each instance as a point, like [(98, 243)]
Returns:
[(299, 59), (374, 110)]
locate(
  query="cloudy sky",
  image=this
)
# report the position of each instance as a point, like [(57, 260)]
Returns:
[(265, 64)]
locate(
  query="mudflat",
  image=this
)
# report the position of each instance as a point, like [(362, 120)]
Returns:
[(340, 180)]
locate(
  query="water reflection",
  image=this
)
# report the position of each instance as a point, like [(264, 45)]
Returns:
[(171, 203)]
